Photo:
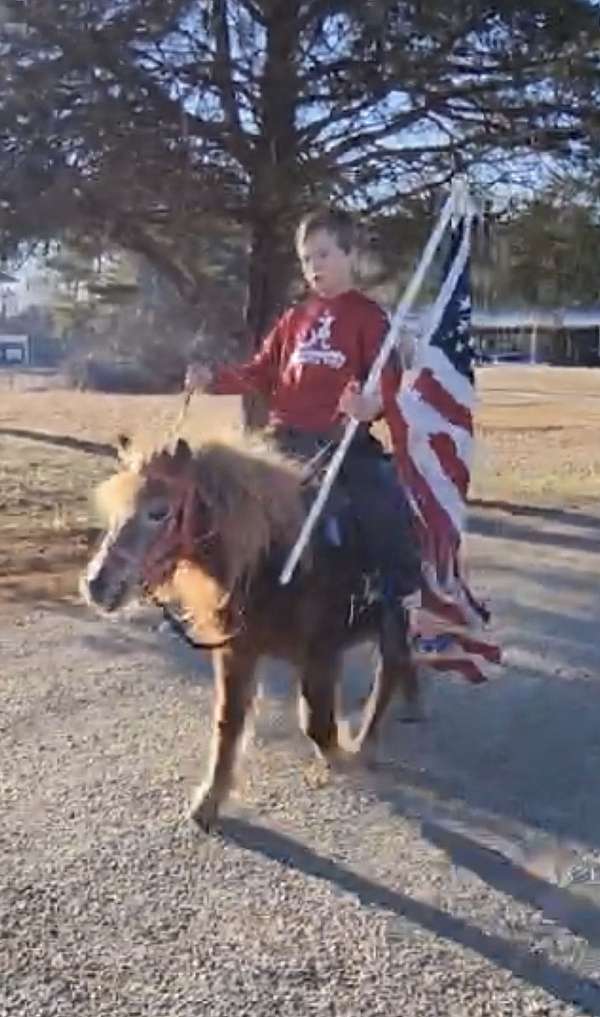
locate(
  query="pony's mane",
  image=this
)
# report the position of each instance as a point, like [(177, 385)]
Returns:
[(116, 498), (254, 499), (251, 493)]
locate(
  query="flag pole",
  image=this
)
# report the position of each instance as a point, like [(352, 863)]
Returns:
[(407, 300)]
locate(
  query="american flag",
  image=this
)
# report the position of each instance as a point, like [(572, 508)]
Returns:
[(430, 418)]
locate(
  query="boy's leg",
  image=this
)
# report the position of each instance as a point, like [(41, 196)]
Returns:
[(299, 444), (384, 521)]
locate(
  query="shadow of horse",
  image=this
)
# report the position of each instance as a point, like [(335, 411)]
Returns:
[(557, 981)]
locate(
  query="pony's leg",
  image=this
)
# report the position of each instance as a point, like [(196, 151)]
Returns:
[(317, 704), (396, 672), (234, 691), (397, 658)]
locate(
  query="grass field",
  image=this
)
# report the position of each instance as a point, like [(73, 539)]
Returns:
[(538, 443)]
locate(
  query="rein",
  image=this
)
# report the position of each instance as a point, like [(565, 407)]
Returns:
[(313, 465), (180, 419)]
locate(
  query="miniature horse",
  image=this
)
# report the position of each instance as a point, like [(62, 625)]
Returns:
[(206, 533)]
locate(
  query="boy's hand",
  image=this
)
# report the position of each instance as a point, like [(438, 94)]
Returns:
[(354, 404), (197, 378)]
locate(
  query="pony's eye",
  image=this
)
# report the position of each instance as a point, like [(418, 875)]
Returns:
[(157, 513)]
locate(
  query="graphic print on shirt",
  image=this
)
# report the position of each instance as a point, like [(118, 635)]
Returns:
[(315, 346)]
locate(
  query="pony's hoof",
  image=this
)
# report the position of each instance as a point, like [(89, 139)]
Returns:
[(204, 810), (316, 774), (412, 712), (366, 754), (346, 737), (338, 758), (328, 761), (341, 759)]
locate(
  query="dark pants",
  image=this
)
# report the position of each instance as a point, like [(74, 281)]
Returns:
[(368, 480)]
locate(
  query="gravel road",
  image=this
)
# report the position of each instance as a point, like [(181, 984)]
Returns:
[(458, 880)]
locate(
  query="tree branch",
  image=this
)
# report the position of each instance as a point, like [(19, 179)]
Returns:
[(224, 80), (253, 10)]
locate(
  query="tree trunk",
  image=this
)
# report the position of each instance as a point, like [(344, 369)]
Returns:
[(270, 274), (276, 188)]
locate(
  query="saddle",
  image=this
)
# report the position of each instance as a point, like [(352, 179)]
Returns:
[(350, 522), (338, 525)]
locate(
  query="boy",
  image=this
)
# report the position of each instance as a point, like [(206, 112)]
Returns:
[(310, 368)]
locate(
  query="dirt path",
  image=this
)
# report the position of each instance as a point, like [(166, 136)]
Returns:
[(438, 886)]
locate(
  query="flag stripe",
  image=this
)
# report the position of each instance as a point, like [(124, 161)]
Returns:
[(458, 387), (488, 651), (436, 486), (453, 411), (448, 610), (428, 509), (445, 449), (430, 420), (468, 668)]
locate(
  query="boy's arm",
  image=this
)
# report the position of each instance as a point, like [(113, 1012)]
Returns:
[(256, 375)]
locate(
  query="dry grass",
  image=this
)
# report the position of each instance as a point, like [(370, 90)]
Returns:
[(538, 430)]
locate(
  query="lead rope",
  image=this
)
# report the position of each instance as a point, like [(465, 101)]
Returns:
[(180, 419)]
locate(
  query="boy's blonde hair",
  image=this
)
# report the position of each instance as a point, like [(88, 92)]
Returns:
[(340, 225)]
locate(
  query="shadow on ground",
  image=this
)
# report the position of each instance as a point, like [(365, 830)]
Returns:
[(536, 971), (61, 441)]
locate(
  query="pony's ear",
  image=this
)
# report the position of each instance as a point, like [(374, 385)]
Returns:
[(126, 452), (182, 453)]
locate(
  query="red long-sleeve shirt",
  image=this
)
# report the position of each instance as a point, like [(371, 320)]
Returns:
[(308, 358)]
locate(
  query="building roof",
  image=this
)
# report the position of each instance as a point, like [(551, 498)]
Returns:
[(519, 318), (532, 317)]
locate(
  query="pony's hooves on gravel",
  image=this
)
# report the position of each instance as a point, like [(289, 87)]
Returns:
[(346, 737), (366, 755), (316, 774), (344, 760), (204, 811), (340, 759)]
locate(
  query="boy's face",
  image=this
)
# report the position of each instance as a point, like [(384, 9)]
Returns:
[(325, 266)]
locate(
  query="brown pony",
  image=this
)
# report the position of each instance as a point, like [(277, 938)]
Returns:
[(207, 532)]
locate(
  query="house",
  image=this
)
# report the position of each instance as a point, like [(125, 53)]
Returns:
[(30, 351), (15, 350), (569, 336)]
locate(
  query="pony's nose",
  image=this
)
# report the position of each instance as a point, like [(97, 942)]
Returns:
[(97, 587), (92, 587)]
